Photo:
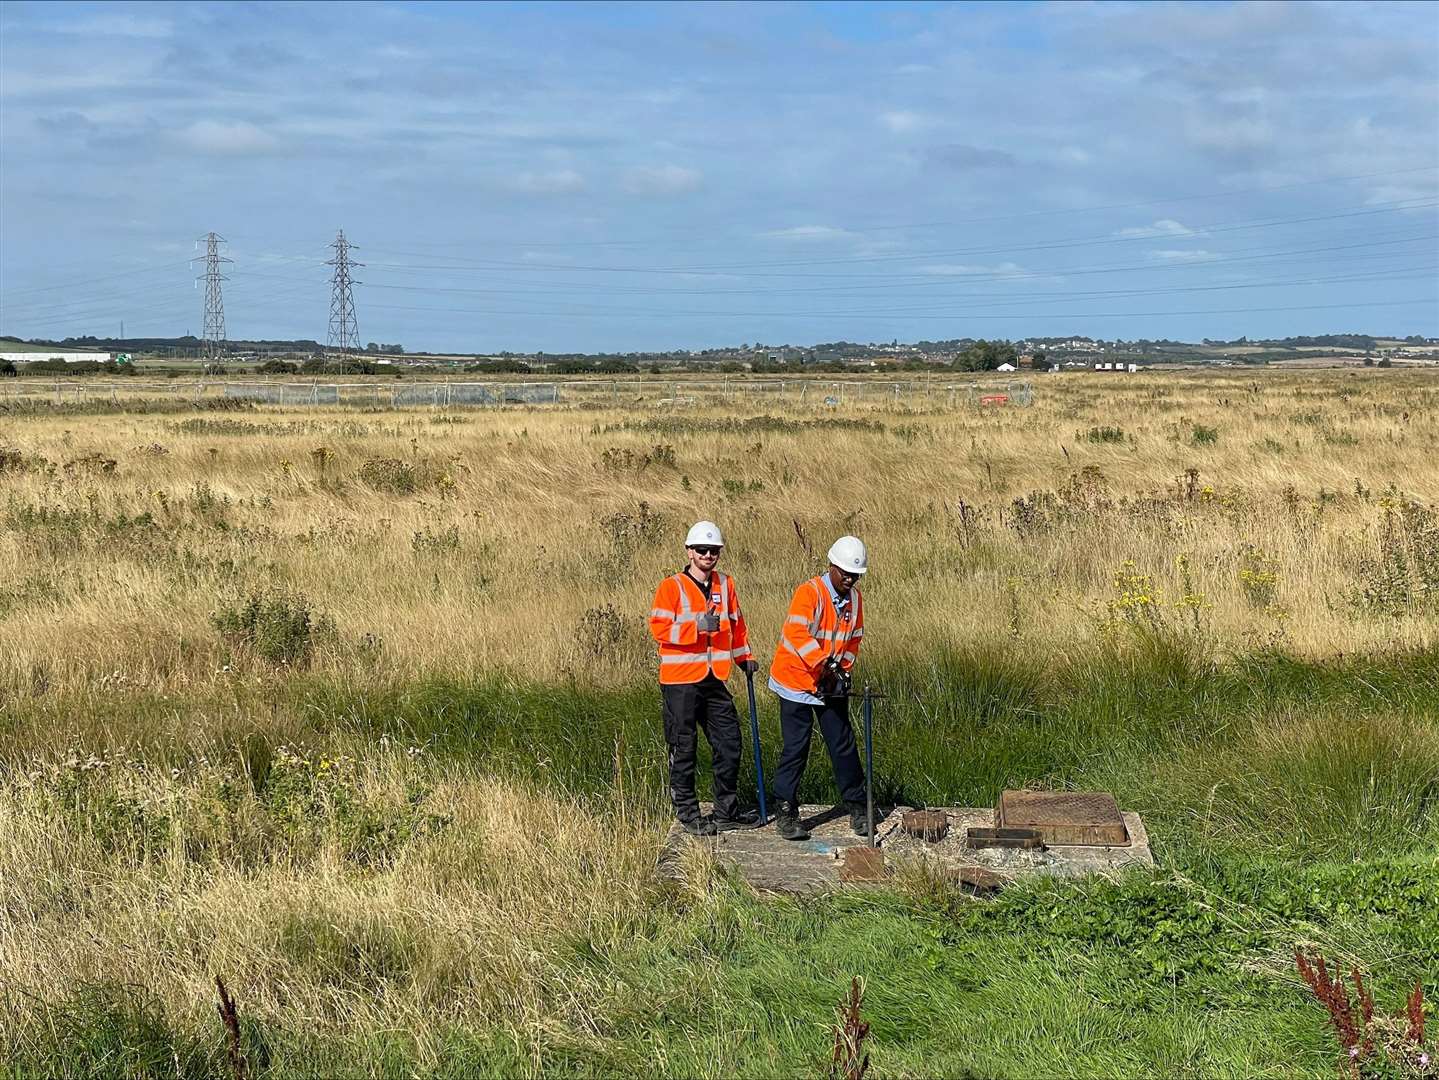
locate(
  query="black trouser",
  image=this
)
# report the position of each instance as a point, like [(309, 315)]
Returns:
[(796, 723), (706, 704)]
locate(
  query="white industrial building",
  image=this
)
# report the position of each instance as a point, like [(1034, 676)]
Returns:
[(59, 354)]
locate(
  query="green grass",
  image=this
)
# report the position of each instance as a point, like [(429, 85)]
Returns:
[(1289, 803), (1141, 977)]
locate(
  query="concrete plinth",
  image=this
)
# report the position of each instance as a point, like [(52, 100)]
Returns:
[(771, 863)]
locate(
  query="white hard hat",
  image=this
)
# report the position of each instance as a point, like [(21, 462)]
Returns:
[(849, 555), (704, 533)]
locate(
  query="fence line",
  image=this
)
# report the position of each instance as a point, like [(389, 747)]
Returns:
[(619, 392)]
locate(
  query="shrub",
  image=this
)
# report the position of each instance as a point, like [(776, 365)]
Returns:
[(1402, 574), (276, 626), (439, 542), (1105, 434), (620, 459), (602, 631), (1204, 436), (392, 475)]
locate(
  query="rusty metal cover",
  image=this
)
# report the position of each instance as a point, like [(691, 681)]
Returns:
[(863, 863), (1026, 839), (1088, 818), (979, 878), (931, 825)]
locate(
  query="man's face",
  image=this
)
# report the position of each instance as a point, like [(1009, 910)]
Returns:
[(842, 580), (704, 558)]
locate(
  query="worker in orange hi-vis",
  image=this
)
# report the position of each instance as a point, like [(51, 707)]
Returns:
[(702, 637), (817, 651)]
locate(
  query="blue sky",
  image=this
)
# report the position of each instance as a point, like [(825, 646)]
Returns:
[(615, 177)]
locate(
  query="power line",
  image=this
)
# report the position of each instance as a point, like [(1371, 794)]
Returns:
[(344, 327), (729, 268), (906, 315), (214, 333)]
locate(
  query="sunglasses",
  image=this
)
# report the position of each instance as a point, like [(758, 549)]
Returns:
[(706, 550)]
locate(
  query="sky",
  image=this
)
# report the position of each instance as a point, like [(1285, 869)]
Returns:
[(619, 177)]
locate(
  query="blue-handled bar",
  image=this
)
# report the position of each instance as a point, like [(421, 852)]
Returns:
[(869, 762), (758, 753)]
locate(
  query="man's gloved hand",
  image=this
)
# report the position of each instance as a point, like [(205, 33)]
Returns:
[(831, 678), (708, 622), (749, 667)]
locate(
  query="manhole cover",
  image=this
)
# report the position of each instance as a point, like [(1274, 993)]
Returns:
[(1089, 818), (931, 825), (863, 864)]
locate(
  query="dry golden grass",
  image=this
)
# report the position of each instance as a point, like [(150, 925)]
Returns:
[(359, 894), (520, 526), (467, 922)]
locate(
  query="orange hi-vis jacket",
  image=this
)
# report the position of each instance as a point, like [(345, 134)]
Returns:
[(687, 653), (813, 632)]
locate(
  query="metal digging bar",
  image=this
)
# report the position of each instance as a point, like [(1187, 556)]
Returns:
[(869, 696), (758, 753)]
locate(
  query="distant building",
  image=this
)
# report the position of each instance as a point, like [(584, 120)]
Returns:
[(58, 354)]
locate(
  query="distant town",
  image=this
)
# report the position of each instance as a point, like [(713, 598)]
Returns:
[(83, 355)]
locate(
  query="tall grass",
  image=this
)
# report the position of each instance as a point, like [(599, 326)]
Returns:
[(514, 525), (357, 711)]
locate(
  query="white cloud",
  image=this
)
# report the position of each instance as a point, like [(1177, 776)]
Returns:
[(661, 180), (808, 233), (1002, 270), (117, 25), (1179, 255), (1230, 135), (553, 182), (1162, 227), (239, 138), (902, 121)]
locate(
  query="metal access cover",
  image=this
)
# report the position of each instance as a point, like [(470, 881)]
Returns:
[(931, 825), (863, 864), (1027, 839), (1085, 818)]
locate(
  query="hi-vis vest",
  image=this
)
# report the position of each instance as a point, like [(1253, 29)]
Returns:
[(813, 632), (688, 654)]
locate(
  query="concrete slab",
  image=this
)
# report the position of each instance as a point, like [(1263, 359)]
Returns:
[(773, 864)]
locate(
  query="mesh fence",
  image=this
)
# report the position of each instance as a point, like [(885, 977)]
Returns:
[(596, 392)]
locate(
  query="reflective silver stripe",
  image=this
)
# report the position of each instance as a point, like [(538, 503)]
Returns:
[(741, 652), (800, 619), (685, 606), (684, 615), (807, 648), (852, 656), (697, 658), (857, 634), (661, 613)]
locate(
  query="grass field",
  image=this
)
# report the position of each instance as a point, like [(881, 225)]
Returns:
[(356, 710)]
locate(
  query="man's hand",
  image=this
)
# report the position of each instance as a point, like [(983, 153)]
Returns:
[(833, 680), (708, 622), (749, 667)]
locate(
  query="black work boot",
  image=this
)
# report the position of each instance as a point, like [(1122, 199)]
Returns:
[(786, 822), (740, 819), (859, 817), (699, 825)]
